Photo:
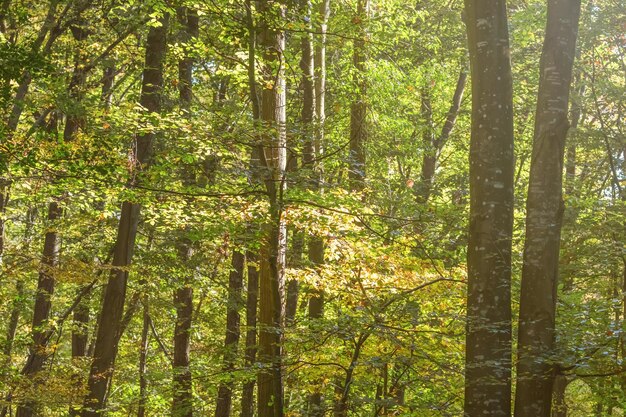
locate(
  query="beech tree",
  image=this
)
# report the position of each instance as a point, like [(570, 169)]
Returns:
[(277, 208), (488, 339), (111, 313), (536, 368)]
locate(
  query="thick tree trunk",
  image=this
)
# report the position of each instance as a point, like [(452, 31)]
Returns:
[(544, 211), (488, 337), (273, 153), (231, 343), (358, 108), (110, 318)]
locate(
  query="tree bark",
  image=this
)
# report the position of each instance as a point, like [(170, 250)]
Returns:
[(182, 385), (252, 290), (50, 254), (358, 108), (110, 318), (247, 403), (544, 211), (272, 150), (316, 243), (235, 284), (488, 337), (560, 405)]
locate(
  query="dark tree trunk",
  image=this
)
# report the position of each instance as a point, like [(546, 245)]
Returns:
[(559, 408), (544, 211), (43, 304), (273, 153), (247, 400), (231, 343), (182, 405), (252, 290), (488, 338), (79, 342), (182, 401), (110, 318), (358, 108)]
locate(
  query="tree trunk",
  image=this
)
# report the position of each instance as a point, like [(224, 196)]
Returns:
[(544, 211), (272, 150), (358, 109), (182, 404), (316, 244), (143, 356), (560, 405), (247, 400), (182, 399), (488, 337), (79, 343), (235, 283), (110, 318), (252, 290)]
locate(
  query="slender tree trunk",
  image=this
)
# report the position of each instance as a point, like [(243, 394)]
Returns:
[(13, 320), (560, 405), (488, 337), (544, 211), (143, 356), (358, 109), (316, 243), (43, 305), (272, 151), (231, 343), (79, 342), (252, 290), (110, 318), (4, 201), (182, 402), (17, 303), (182, 381), (247, 400)]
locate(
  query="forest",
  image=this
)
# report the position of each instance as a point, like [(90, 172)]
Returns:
[(319, 208)]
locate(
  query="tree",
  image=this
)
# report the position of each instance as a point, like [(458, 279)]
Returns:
[(488, 338), (544, 211), (182, 403), (273, 158), (110, 317), (358, 108)]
